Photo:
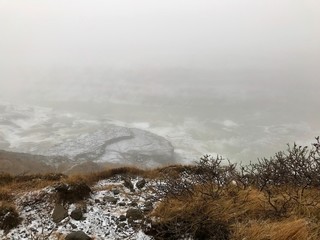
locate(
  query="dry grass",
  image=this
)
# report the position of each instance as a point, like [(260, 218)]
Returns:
[(189, 217), (236, 214), (5, 194), (128, 171), (8, 179), (245, 213), (92, 178), (286, 229), (9, 217)]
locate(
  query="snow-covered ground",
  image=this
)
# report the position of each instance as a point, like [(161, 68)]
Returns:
[(238, 137), (101, 219), (41, 131)]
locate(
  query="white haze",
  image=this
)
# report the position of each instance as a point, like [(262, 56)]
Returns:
[(239, 78)]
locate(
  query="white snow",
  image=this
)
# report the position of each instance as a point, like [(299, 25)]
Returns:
[(42, 131), (101, 220)]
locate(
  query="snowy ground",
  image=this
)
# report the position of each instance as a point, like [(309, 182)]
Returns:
[(101, 219), (79, 138)]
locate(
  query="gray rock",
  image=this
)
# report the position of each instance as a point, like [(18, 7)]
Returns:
[(140, 184), (79, 235), (59, 213), (148, 206), (77, 214), (128, 184), (133, 204), (116, 191), (122, 218), (134, 214), (121, 225), (73, 226)]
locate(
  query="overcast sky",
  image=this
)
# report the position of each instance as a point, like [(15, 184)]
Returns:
[(166, 33), (152, 47)]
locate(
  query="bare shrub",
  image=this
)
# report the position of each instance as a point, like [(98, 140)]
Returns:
[(209, 171), (287, 177), (185, 211)]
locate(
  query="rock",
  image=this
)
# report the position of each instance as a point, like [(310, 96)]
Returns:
[(121, 225), (134, 214), (140, 184), (148, 206), (73, 226), (122, 204), (59, 213), (70, 193), (79, 235), (128, 184), (133, 204), (77, 214), (110, 199), (122, 218), (116, 191)]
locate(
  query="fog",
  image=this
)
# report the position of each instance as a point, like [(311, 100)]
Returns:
[(238, 78)]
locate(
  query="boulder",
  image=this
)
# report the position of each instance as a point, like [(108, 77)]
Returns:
[(122, 218), (59, 213), (73, 192), (77, 214), (134, 214), (79, 235)]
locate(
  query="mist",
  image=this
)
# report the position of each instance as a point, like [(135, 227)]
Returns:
[(237, 78)]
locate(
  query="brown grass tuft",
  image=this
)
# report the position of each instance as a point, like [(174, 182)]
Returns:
[(5, 194), (189, 217), (92, 178), (9, 217), (287, 229)]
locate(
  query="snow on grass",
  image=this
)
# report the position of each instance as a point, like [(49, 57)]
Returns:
[(100, 221)]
